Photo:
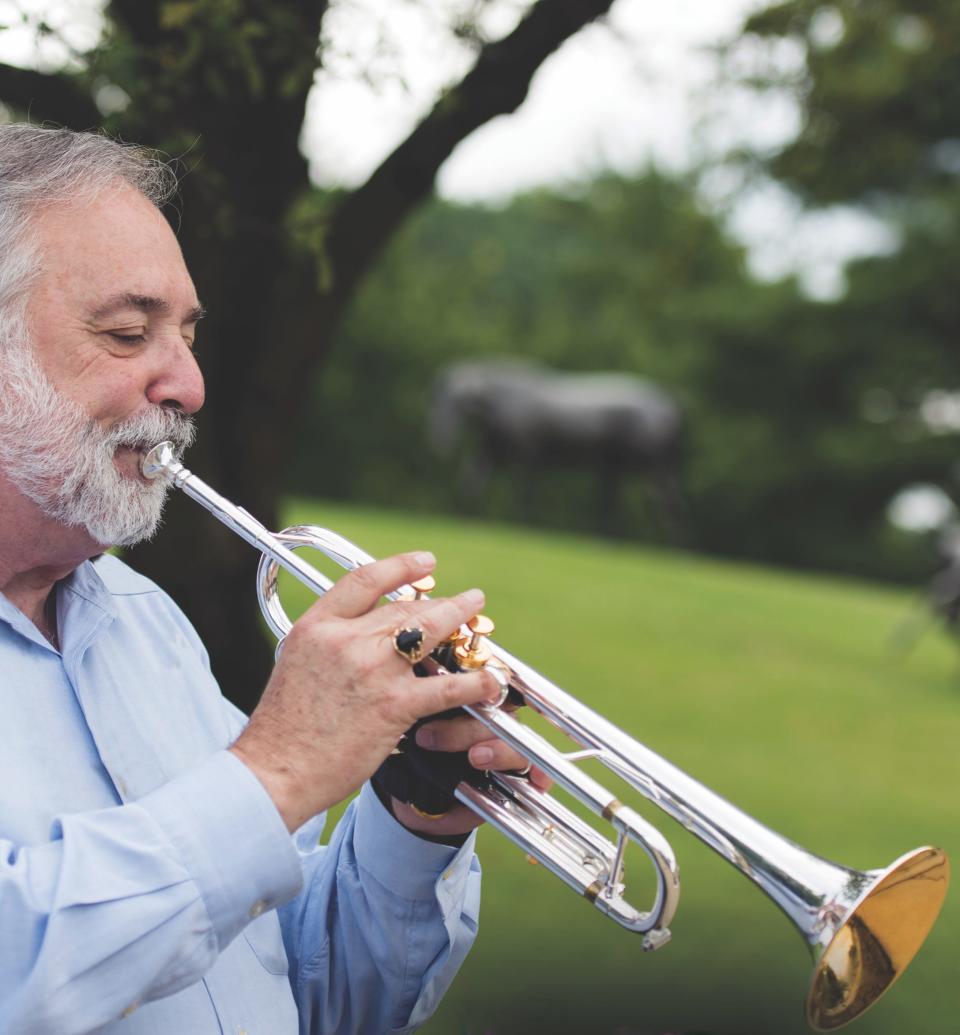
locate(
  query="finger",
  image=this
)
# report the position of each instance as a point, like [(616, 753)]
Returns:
[(459, 820), (438, 693), (540, 779), (494, 754), (437, 618), (459, 734), (360, 590)]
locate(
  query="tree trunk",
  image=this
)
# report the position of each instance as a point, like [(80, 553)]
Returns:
[(247, 426)]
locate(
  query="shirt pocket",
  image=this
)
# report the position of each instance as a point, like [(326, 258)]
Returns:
[(264, 937)]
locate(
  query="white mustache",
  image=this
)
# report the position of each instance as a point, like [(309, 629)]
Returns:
[(144, 430)]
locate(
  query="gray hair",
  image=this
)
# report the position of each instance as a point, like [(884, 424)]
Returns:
[(39, 166)]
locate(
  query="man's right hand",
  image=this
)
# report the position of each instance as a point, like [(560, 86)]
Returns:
[(340, 696)]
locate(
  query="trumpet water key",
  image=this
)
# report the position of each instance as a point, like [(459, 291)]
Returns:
[(863, 927)]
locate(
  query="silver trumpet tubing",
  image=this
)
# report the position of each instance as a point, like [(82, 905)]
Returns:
[(863, 927)]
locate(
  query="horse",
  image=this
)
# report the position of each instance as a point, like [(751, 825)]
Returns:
[(510, 413)]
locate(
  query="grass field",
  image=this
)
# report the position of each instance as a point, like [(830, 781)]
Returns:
[(779, 691)]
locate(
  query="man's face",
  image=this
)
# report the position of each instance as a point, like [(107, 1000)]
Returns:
[(113, 314), (107, 367)]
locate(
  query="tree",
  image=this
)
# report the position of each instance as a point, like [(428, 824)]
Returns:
[(879, 94), (224, 83), (878, 90)]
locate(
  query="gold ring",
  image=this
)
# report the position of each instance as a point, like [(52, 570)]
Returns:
[(432, 816), (408, 643)]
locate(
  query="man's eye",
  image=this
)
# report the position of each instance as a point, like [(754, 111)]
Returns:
[(128, 339)]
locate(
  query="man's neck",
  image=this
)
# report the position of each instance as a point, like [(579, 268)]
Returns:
[(35, 553)]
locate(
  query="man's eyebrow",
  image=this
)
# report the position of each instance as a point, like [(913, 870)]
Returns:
[(144, 304)]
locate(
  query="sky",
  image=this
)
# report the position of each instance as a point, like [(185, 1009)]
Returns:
[(615, 94), (639, 87)]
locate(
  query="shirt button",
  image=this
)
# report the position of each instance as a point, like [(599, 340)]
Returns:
[(257, 908)]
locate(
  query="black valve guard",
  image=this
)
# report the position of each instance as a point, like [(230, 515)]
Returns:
[(426, 779)]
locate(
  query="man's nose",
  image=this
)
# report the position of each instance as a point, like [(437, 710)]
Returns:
[(178, 383)]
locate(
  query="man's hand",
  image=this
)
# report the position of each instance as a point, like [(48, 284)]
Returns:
[(485, 752), (340, 697)]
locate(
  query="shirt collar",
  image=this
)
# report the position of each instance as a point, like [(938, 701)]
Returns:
[(85, 583), (83, 604)]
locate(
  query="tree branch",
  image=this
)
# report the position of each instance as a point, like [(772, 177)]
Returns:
[(496, 85), (54, 96)]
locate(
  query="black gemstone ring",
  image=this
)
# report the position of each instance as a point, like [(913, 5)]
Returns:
[(408, 643)]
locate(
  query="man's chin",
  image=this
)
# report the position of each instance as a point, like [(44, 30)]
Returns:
[(125, 511), (124, 537)]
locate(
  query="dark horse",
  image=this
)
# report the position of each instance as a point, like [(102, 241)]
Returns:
[(507, 413)]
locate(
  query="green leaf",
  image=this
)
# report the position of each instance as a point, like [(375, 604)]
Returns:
[(177, 13)]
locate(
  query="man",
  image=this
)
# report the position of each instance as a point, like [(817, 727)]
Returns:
[(149, 881)]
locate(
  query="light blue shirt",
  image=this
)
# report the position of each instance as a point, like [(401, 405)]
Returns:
[(147, 882)]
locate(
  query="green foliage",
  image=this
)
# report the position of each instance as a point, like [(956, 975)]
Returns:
[(227, 50), (880, 100), (782, 464), (623, 275), (880, 97), (780, 692)]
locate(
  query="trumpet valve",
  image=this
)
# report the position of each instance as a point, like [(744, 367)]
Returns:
[(421, 587), (474, 651)]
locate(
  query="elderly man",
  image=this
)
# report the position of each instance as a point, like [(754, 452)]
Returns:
[(159, 859)]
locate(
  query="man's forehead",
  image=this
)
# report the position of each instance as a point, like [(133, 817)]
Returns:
[(112, 208), (113, 252)]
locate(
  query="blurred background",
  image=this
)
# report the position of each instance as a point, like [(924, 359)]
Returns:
[(644, 318)]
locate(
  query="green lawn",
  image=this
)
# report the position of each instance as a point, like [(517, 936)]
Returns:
[(780, 692)]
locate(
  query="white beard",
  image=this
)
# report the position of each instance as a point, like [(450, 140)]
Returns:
[(56, 455)]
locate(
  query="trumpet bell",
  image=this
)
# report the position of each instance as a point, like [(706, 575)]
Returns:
[(876, 936)]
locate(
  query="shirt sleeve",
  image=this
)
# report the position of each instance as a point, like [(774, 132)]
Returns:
[(383, 925), (132, 903)]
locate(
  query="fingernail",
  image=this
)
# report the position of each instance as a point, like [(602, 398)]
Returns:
[(481, 755), (474, 597), (426, 738), (425, 558)]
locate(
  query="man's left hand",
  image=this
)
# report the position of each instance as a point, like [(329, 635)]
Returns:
[(463, 733)]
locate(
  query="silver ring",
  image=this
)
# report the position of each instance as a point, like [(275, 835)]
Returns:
[(408, 643)]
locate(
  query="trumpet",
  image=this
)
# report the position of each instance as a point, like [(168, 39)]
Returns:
[(862, 927)]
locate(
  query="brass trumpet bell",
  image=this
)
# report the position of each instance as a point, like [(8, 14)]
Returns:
[(877, 936)]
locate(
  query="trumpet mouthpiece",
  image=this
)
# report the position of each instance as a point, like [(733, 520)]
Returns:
[(160, 462)]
